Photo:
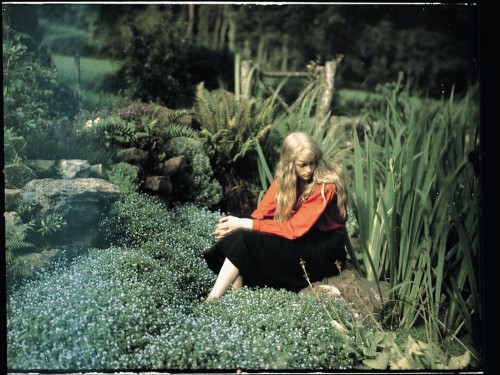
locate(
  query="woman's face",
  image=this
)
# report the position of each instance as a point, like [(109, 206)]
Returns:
[(304, 167)]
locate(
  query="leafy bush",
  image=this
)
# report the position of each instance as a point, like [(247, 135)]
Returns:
[(137, 305), (32, 93), (66, 138), (198, 185), (125, 176), (154, 67), (177, 236)]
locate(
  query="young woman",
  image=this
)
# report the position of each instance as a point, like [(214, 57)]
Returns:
[(301, 217)]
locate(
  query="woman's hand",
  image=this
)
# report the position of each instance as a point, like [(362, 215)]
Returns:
[(229, 223)]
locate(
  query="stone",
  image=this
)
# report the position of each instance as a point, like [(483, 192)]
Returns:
[(11, 197), (81, 202), (132, 155), (351, 286), (96, 170), (73, 168), (14, 221), (171, 166), (158, 184)]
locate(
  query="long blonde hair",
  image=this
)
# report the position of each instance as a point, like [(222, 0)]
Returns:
[(289, 196)]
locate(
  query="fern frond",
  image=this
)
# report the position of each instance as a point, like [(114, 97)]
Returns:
[(15, 244), (178, 130), (115, 129), (247, 146), (175, 115), (204, 109), (242, 118)]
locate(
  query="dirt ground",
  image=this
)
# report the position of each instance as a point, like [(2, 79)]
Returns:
[(364, 296)]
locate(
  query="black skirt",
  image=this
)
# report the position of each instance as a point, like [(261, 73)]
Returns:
[(274, 261)]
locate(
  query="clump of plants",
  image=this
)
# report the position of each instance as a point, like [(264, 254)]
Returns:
[(137, 304)]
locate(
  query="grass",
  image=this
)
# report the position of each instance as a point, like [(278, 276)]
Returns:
[(97, 79), (95, 73), (92, 70)]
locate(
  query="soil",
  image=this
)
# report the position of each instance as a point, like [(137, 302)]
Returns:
[(364, 296)]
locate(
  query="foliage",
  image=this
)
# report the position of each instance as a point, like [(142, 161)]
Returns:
[(27, 231), (413, 199), (66, 138), (154, 67), (436, 45), (37, 106), (16, 173), (15, 243), (431, 59), (125, 176), (140, 125), (131, 308), (234, 130), (32, 93), (381, 350), (198, 184), (231, 126)]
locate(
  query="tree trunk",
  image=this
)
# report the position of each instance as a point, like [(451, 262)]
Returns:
[(284, 54), (231, 36), (260, 49), (247, 51), (203, 25), (190, 22), (223, 32), (217, 27)]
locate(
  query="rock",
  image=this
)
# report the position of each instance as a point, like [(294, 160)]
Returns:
[(13, 220), (73, 168), (158, 184), (81, 202), (132, 155), (96, 171), (11, 196), (171, 166)]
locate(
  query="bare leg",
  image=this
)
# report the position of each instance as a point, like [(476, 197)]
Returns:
[(228, 275), (238, 283)]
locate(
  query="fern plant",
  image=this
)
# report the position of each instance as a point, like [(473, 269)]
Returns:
[(114, 130), (15, 243), (16, 173), (234, 131), (153, 127)]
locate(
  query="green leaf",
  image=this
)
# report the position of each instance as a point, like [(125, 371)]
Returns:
[(379, 363)]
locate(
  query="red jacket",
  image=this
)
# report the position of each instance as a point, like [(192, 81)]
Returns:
[(314, 212)]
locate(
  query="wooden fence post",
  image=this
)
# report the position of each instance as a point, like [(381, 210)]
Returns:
[(78, 90), (246, 79), (326, 95)]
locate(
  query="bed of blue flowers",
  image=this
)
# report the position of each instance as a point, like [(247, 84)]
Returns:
[(137, 304)]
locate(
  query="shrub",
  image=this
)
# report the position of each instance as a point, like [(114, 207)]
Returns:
[(197, 186), (125, 176), (177, 236), (32, 93), (154, 67)]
